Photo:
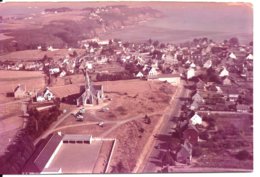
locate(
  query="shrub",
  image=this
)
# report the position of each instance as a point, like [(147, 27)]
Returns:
[(243, 155), (204, 135), (196, 152)]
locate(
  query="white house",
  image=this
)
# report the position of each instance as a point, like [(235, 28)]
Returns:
[(54, 70), (232, 56), (208, 64), (193, 65), (103, 42), (62, 74), (224, 72), (50, 48), (188, 62), (190, 73), (89, 66), (45, 95), (139, 75), (152, 72), (249, 57), (196, 119), (219, 90)]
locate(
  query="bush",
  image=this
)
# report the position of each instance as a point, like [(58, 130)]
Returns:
[(196, 152), (204, 135), (243, 155)]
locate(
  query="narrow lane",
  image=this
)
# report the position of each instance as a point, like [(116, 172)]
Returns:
[(153, 160)]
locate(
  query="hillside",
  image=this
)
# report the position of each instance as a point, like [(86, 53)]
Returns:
[(62, 27)]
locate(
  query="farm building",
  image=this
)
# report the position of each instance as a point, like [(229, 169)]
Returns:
[(20, 92), (65, 153), (44, 95)]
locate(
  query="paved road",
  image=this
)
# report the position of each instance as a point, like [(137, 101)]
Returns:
[(153, 161)]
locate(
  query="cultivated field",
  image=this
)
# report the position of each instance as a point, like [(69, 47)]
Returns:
[(17, 75), (10, 109), (39, 20), (10, 79), (34, 55)]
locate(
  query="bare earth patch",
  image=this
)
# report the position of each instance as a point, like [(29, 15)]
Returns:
[(135, 97), (132, 138)]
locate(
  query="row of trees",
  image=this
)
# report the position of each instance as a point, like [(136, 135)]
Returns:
[(18, 153), (22, 147), (40, 121), (113, 77)]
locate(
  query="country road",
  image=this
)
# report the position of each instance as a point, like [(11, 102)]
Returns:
[(150, 164)]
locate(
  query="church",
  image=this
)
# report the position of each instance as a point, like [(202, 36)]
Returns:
[(92, 94)]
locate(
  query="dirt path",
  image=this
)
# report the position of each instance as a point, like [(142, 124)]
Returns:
[(13, 102), (119, 123), (61, 119)]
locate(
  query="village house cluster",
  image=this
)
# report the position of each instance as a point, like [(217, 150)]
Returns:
[(219, 77), (219, 74)]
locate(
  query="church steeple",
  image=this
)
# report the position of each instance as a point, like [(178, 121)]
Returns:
[(87, 81)]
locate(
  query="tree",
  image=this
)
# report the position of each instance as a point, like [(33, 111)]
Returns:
[(150, 41), (234, 41), (195, 41), (147, 119), (44, 47), (225, 41), (75, 53), (119, 168), (243, 155), (168, 159), (162, 45), (196, 152), (156, 43)]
